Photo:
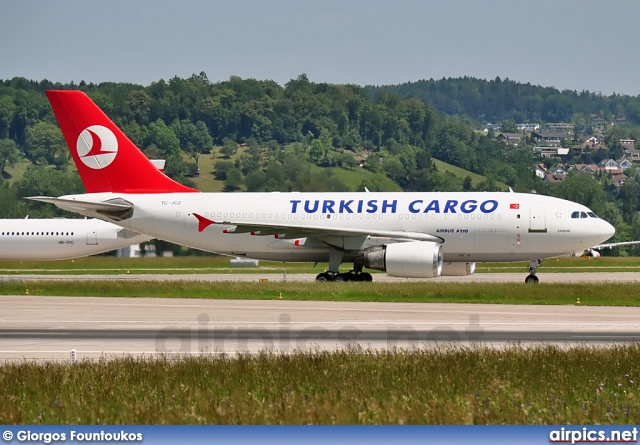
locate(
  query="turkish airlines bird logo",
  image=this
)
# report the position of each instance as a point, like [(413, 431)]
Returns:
[(97, 147)]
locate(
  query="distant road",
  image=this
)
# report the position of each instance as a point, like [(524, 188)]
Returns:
[(582, 277), (48, 328)]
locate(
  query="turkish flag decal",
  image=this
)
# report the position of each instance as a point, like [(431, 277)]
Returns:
[(514, 206)]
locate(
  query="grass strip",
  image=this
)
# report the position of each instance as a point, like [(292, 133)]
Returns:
[(220, 264), (446, 385), (594, 294)]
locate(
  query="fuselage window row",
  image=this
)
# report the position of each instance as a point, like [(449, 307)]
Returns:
[(37, 233)]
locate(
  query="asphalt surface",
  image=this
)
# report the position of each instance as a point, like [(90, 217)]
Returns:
[(49, 328)]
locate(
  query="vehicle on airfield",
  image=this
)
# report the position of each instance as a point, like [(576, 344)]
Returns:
[(412, 235)]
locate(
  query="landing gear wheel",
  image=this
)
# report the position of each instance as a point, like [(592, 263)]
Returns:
[(365, 277), (340, 278), (323, 277), (531, 279)]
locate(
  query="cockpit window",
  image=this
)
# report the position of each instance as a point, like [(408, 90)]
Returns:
[(591, 214), (583, 215), (575, 215)]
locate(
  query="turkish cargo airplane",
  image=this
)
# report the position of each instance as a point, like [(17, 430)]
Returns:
[(413, 235), (61, 239)]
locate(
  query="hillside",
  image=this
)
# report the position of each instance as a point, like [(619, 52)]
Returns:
[(498, 100)]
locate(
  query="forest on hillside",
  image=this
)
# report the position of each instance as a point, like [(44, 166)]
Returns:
[(498, 100), (286, 130), (256, 135)]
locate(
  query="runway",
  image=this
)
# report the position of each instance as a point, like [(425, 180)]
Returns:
[(561, 277), (48, 328)]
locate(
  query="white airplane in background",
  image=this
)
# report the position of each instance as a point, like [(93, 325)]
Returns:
[(413, 235), (51, 239), (61, 239)]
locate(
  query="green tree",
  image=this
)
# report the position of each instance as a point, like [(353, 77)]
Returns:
[(45, 143), (467, 184), (629, 193), (347, 160), (318, 151), (11, 207), (234, 180), (509, 126), (140, 104), (45, 181), (229, 148), (393, 168), (195, 140), (581, 188), (163, 137), (7, 112), (222, 169), (9, 154)]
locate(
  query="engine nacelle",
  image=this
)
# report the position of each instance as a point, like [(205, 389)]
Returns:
[(458, 269), (415, 259)]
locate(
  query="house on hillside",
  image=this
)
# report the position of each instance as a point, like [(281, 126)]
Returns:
[(592, 169), (554, 179), (550, 150), (560, 127), (631, 152), (540, 171), (528, 128), (624, 164), (509, 138), (490, 126), (618, 179), (608, 166), (548, 136), (589, 143)]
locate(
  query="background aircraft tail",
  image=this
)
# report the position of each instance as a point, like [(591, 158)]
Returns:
[(105, 157)]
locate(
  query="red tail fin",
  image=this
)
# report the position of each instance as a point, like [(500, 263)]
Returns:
[(106, 159)]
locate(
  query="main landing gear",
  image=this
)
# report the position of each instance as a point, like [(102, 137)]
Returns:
[(533, 267), (341, 277), (354, 275)]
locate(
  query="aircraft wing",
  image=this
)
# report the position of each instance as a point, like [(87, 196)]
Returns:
[(610, 245), (299, 231)]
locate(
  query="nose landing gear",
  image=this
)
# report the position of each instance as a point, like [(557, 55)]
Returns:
[(533, 267)]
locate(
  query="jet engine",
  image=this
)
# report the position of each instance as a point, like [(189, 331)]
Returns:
[(458, 269), (415, 259)]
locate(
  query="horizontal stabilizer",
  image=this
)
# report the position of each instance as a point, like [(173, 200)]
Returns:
[(114, 210)]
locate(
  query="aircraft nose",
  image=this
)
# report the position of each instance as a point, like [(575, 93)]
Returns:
[(607, 229)]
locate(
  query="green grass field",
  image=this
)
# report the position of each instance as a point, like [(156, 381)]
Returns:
[(591, 294), (538, 385), (462, 173)]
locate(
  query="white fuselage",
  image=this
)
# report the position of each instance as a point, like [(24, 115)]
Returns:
[(474, 227), (59, 239)]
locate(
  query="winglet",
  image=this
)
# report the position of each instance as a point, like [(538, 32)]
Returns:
[(203, 222)]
